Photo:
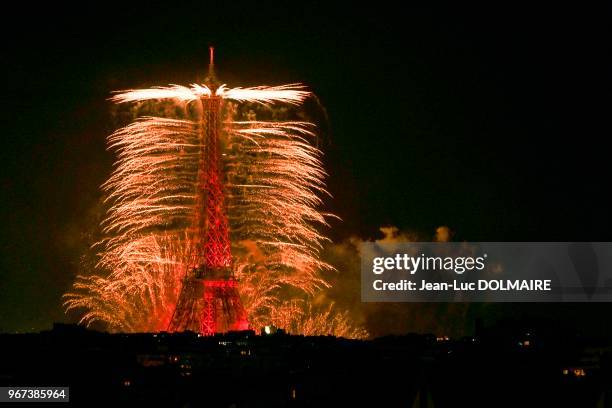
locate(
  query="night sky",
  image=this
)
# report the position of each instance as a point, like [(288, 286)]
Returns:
[(492, 121)]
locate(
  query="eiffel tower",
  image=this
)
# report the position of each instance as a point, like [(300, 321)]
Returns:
[(209, 302)]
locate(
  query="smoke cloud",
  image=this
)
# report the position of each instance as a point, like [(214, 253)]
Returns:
[(381, 319)]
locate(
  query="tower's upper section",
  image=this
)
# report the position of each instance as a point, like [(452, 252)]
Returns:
[(211, 78)]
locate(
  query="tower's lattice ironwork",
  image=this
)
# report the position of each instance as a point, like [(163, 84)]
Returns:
[(209, 301)]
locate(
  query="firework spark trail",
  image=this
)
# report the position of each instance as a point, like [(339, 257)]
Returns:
[(134, 296), (274, 179), (293, 94), (299, 317)]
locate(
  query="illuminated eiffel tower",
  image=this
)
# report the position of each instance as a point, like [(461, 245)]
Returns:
[(209, 302)]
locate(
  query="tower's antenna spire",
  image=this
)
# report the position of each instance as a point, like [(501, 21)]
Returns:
[(211, 56), (211, 78)]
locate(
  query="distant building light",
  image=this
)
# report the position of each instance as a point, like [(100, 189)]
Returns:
[(575, 371), (267, 329)]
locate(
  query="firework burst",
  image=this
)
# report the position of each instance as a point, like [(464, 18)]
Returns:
[(273, 182)]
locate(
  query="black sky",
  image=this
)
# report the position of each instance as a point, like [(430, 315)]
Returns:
[(492, 120)]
